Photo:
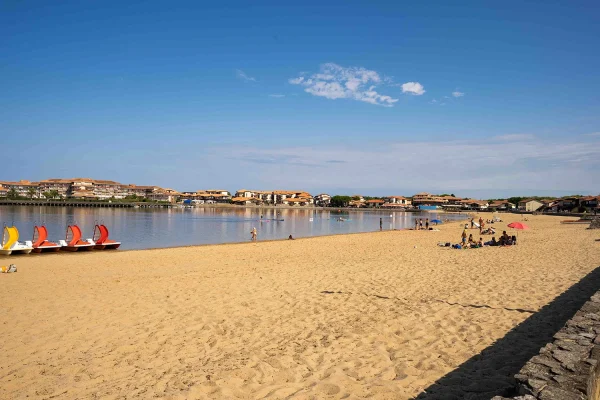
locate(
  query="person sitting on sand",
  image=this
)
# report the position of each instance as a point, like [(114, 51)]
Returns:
[(290, 238), (505, 239), (491, 242), (480, 242), (471, 239)]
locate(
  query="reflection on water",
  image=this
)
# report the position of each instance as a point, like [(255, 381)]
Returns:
[(148, 228)]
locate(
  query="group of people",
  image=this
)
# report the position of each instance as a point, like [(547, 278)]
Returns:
[(419, 224), (470, 243)]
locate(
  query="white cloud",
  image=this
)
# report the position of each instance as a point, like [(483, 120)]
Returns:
[(242, 75), (413, 88), (458, 94), (337, 82), (277, 96), (521, 165), (592, 134)]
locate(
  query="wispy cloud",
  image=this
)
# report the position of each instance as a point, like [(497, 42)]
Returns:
[(592, 134), (242, 75), (277, 96), (515, 137), (413, 88), (509, 161), (337, 82), (458, 94)]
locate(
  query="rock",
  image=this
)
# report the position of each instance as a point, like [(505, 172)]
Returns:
[(567, 358), (556, 393)]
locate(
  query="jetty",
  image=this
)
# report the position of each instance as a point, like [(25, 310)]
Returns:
[(75, 203)]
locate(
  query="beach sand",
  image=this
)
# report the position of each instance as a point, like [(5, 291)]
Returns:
[(381, 315)]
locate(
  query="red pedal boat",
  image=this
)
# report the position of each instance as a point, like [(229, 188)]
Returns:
[(101, 239), (73, 240), (40, 241)]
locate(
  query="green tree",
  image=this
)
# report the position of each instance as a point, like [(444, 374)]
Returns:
[(31, 193), (340, 201), (515, 200), (47, 195), (12, 194), (54, 194)]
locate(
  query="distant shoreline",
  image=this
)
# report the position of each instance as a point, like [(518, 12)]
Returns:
[(104, 204)]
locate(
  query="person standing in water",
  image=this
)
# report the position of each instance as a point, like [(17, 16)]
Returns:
[(427, 224), (254, 234), (420, 223), (380, 224)]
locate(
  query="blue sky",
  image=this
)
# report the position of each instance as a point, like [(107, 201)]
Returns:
[(478, 98)]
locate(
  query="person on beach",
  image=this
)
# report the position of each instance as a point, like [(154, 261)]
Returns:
[(380, 224), (472, 222), (505, 239), (427, 224), (471, 241), (291, 237), (464, 237), (254, 234), (480, 243), (416, 225), (420, 223)]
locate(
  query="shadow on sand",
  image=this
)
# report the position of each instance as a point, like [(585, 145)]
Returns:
[(490, 373)]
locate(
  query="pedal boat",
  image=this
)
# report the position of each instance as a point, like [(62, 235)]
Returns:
[(40, 241), (73, 240), (11, 244), (101, 239)]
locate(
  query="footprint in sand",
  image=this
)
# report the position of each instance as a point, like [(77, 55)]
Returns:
[(328, 388)]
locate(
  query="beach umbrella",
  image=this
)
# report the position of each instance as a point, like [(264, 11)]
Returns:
[(519, 226), (436, 221)]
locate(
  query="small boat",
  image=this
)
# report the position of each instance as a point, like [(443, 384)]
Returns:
[(73, 240), (101, 239), (40, 241), (11, 244)]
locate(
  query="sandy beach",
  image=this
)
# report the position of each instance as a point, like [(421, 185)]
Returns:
[(383, 315)]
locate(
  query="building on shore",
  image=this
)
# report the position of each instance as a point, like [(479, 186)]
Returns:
[(428, 199), (374, 203), (209, 196), (85, 189), (322, 200), (21, 188), (530, 205), (502, 205), (397, 201), (275, 197)]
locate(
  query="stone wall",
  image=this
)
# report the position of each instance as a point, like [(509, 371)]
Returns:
[(568, 368)]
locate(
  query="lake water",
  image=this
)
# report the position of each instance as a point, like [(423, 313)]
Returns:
[(150, 228)]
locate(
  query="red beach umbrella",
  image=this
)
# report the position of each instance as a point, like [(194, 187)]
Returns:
[(518, 225)]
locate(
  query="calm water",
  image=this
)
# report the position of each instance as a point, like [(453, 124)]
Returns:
[(142, 229)]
